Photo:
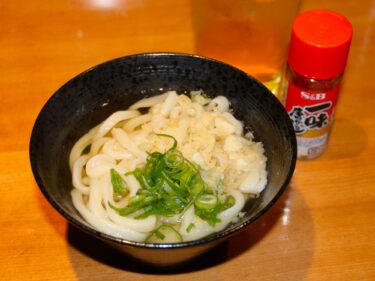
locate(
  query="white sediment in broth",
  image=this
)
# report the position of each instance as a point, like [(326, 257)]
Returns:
[(207, 134)]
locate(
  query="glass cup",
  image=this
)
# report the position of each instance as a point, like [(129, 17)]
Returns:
[(252, 35)]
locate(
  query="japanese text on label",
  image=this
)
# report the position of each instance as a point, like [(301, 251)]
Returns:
[(312, 117)]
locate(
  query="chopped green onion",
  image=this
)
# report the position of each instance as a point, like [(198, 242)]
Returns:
[(206, 201), (228, 203), (211, 214), (119, 189), (196, 185), (170, 184), (159, 234), (164, 233), (135, 203), (191, 225), (174, 160), (174, 146)]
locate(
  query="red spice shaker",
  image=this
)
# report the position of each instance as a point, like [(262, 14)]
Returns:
[(317, 58)]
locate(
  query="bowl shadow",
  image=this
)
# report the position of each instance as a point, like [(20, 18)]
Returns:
[(340, 146)]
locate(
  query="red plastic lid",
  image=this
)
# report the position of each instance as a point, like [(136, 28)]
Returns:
[(319, 44)]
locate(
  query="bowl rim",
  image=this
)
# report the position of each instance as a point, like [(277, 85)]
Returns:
[(225, 233)]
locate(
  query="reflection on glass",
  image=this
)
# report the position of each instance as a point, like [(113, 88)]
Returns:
[(285, 218), (115, 4)]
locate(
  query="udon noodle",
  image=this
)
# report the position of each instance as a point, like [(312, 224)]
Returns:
[(107, 165)]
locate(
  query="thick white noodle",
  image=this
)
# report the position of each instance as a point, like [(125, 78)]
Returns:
[(158, 122), (175, 112), (80, 145), (97, 145), (113, 149), (105, 225), (77, 175), (95, 200), (149, 102), (130, 164), (99, 165), (112, 120), (123, 139), (169, 103), (132, 184), (136, 121), (182, 130), (198, 110)]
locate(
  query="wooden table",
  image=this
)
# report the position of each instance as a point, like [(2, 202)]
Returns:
[(323, 227)]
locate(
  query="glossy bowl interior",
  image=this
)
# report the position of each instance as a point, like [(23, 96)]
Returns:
[(93, 95)]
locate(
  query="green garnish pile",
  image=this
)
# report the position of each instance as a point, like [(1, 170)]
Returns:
[(170, 185)]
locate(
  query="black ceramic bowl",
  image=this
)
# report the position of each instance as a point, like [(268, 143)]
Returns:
[(90, 97)]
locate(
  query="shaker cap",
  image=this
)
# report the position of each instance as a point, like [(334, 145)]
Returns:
[(319, 44)]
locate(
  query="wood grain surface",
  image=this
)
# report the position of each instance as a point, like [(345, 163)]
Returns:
[(322, 228)]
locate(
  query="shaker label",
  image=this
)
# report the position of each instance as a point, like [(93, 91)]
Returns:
[(313, 96), (311, 112)]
